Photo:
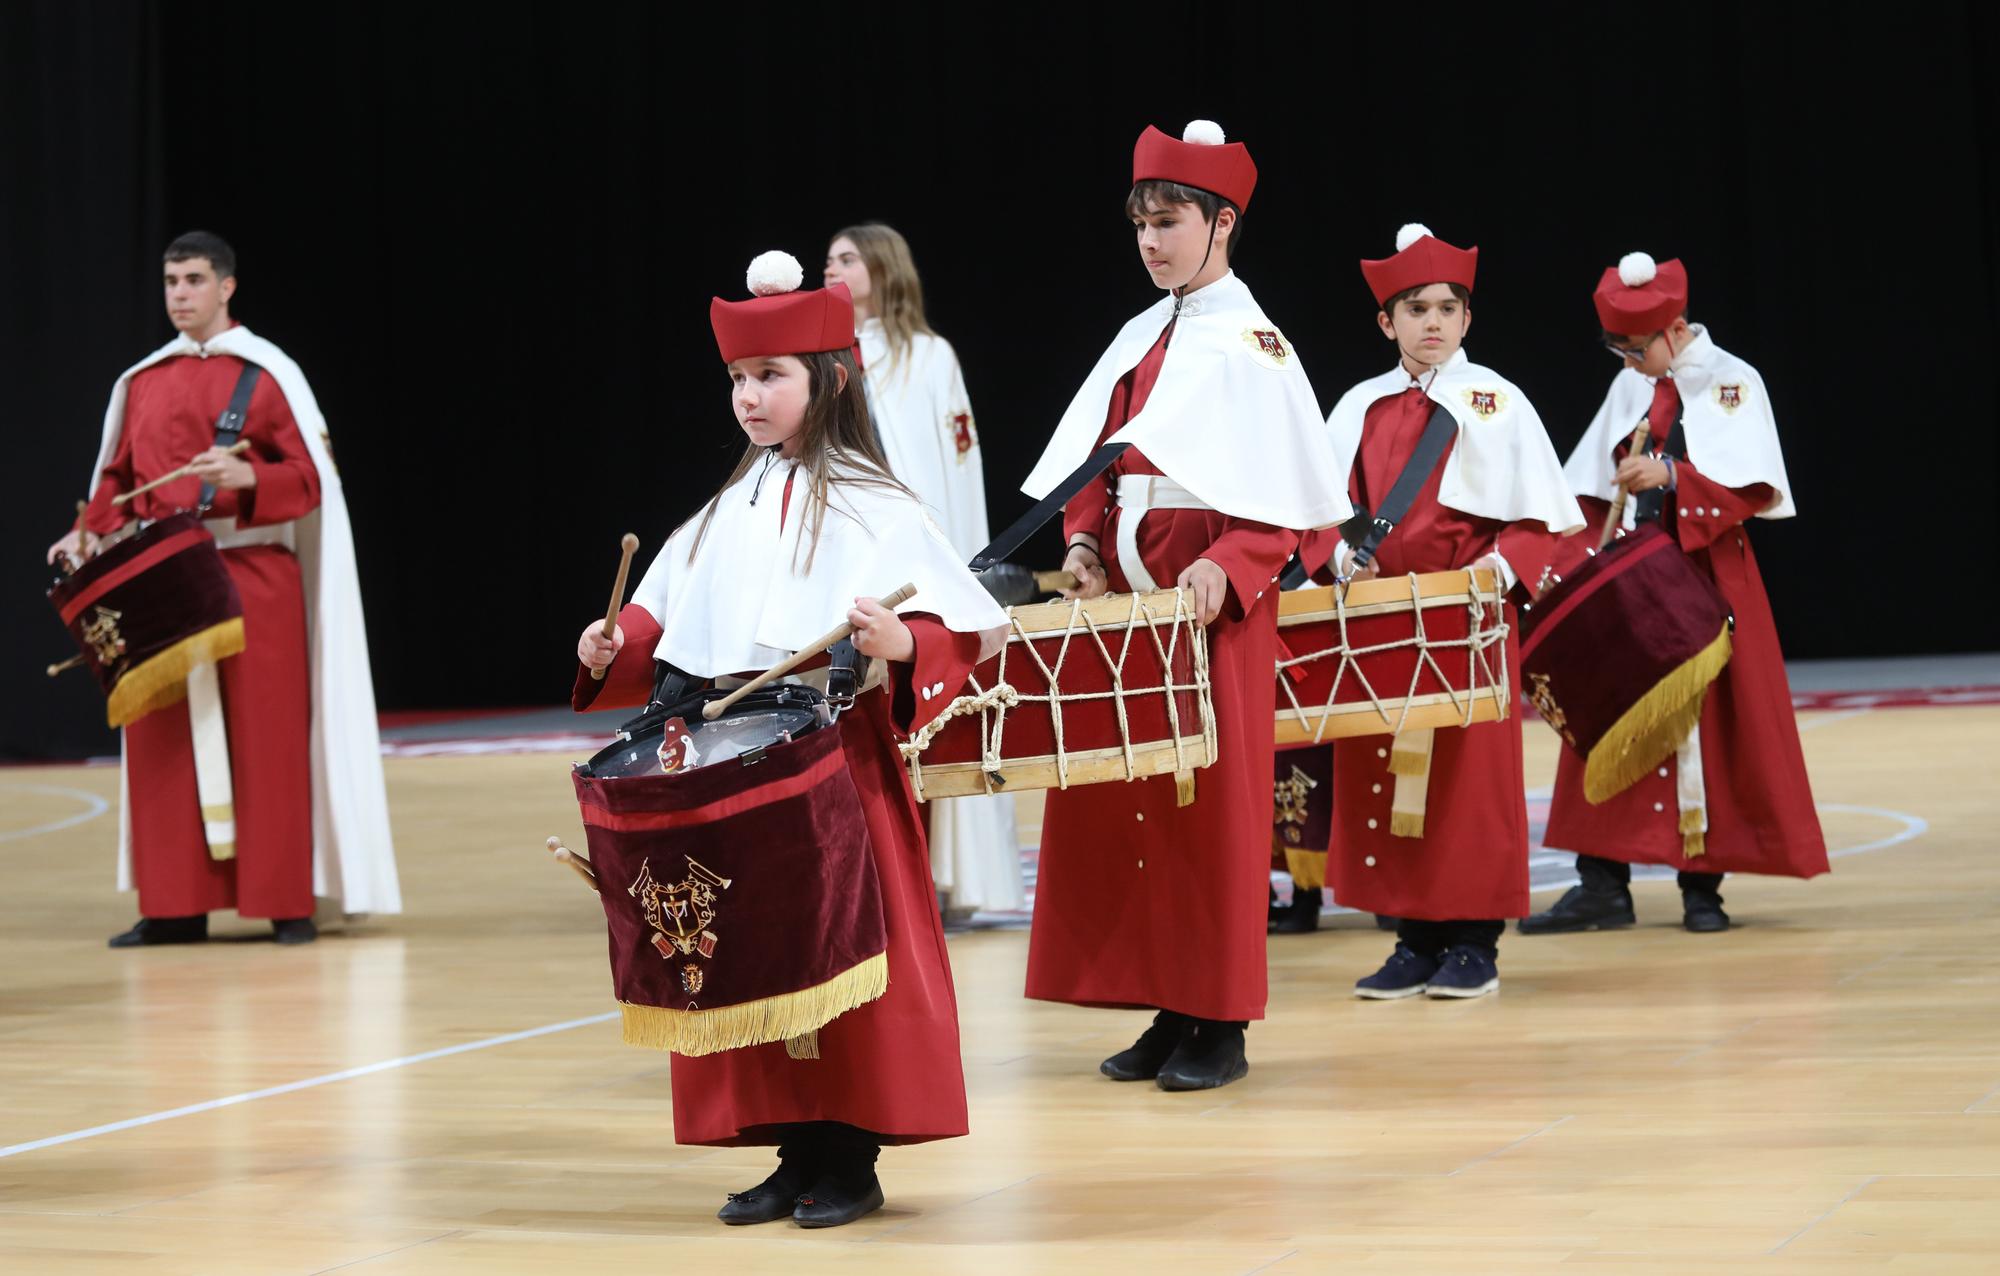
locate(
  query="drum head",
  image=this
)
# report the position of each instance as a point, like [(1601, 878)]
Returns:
[(758, 722)]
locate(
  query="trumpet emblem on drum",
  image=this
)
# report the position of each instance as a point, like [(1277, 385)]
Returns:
[(681, 912)]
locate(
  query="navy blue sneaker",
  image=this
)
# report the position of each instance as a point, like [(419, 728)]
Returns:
[(1405, 974), (1465, 972)]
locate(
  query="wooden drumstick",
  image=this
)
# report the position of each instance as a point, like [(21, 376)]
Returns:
[(1616, 519), (579, 863), (1055, 582), (234, 449), (715, 708), (71, 663), (626, 545)]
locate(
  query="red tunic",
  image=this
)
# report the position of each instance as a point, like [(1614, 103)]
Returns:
[(1472, 861), (892, 1066), (1761, 817), (1139, 902), (170, 416)]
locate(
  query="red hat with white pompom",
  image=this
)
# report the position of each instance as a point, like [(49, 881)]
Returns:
[(1201, 159), (1421, 259), (1638, 295), (779, 319)]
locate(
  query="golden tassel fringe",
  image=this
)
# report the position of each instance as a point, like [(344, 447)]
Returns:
[(162, 680), (1694, 839), (779, 1018), (805, 1047), (1406, 823), (1656, 726), (1183, 788), (1308, 868), (1408, 763)]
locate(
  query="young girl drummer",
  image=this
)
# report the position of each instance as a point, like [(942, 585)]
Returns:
[(809, 527)]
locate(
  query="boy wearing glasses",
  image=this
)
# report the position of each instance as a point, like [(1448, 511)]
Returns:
[(1734, 797)]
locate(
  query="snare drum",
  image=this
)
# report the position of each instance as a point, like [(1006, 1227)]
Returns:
[(1083, 692), (148, 609)]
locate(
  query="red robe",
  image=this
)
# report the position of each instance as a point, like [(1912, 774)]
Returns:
[(170, 416), (1471, 864), (1141, 903), (1761, 817), (893, 1065)]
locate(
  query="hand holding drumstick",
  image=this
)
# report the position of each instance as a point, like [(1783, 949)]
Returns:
[(219, 466)]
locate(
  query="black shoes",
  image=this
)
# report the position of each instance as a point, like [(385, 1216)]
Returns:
[(775, 1198), (1581, 908), (1141, 1061), (1701, 912), (164, 930), (1300, 917), (294, 930), (834, 1200), (1406, 973), (1208, 1057), (1465, 971)]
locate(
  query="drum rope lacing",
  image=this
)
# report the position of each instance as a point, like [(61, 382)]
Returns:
[(992, 703), (1479, 638)]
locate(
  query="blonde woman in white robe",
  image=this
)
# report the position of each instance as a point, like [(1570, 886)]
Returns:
[(916, 395)]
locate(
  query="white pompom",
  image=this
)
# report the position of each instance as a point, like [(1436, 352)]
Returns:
[(774, 272), (1635, 270), (1203, 133), (1410, 234)]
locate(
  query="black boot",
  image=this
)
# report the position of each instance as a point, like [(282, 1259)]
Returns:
[(1582, 908), (846, 1187), (1301, 916), (777, 1196), (163, 930), (1701, 912), (293, 930), (1212, 1056), (1142, 1059)]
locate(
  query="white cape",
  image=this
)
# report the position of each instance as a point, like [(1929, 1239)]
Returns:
[(1229, 419), (354, 860), (1502, 467), (1725, 416), (746, 601)]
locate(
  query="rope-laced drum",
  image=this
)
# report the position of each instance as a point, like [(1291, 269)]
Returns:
[(1084, 691), (1390, 655)]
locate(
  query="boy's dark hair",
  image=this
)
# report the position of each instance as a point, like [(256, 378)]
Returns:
[(1459, 291), (200, 243), (1154, 194)]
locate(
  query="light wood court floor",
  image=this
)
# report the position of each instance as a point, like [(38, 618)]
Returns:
[(1816, 1091)]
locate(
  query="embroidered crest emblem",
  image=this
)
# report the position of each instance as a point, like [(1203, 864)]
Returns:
[(680, 913), (101, 632), (1267, 347), (1485, 404), (961, 433), (1545, 704), (1729, 397), (1291, 804)]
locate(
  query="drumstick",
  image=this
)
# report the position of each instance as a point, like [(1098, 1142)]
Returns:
[(626, 545), (241, 445), (71, 663), (715, 708), (71, 562), (581, 864), (1616, 519), (1055, 582)]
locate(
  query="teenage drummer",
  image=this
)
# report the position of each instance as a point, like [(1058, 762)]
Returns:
[(809, 527), (226, 787), (1449, 468), (1143, 902), (1734, 797)]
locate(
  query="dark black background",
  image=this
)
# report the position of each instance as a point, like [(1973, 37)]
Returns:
[(489, 235)]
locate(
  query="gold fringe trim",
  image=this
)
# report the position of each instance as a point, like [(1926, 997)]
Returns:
[(805, 1047), (1183, 788), (162, 680), (1406, 823), (1694, 839), (1655, 726), (1308, 868), (1409, 762), (753, 1023)]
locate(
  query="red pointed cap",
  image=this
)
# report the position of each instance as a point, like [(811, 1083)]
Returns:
[(1421, 259), (780, 319), (1638, 296), (1201, 159)]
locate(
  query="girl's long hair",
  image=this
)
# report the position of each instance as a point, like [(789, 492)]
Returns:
[(897, 292), (837, 435)]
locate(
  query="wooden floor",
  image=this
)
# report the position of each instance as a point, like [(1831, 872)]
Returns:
[(1816, 1091)]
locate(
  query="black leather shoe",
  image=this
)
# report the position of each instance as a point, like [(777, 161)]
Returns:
[(831, 1202), (163, 930), (1211, 1057), (293, 930), (775, 1198), (1701, 912), (1141, 1060), (1581, 908), (1301, 916)]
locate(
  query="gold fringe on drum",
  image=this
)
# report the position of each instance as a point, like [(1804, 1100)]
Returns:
[(1655, 726), (162, 679), (753, 1023)]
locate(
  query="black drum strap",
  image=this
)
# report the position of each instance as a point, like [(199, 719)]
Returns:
[(1047, 508), (1438, 433), (1653, 502), (229, 426)]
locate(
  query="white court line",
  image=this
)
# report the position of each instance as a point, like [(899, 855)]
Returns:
[(345, 1074), (97, 806)]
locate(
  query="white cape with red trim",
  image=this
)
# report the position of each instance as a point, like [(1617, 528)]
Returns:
[(1231, 419), (748, 600), (1725, 417), (354, 859)]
